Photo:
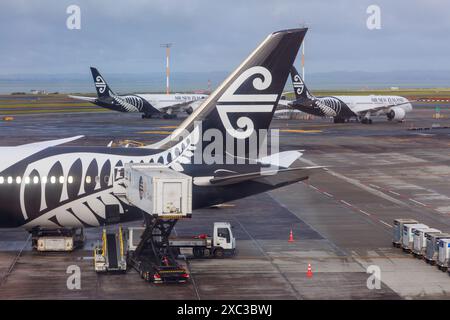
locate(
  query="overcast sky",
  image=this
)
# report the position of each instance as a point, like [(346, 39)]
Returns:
[(208, 35)]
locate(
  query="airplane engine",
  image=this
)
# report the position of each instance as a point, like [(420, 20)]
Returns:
[(189, 110), (396, 113)]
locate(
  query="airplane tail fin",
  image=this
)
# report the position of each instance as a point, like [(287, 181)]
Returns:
[(245, 102), (300, 89), (103, 90)]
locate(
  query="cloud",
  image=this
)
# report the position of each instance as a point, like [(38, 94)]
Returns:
[(125, 36)]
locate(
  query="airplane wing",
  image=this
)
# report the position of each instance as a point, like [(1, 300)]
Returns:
[(90, 99)]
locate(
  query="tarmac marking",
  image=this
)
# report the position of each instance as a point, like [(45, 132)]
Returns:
[(366, 213), (155, 132), (300, 131), (297, 294), (393, 192), (372, 185), (346, 203), (385, 223), (327, 194), (168, 127), (14, 262), (418, 202)]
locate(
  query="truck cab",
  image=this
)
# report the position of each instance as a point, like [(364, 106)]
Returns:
[(223, 236)]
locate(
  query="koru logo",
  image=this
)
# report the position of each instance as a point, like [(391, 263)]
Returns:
[(100, 84), (246, 102), (298, 84)]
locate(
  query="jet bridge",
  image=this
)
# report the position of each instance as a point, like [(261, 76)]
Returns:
[(164, 196)]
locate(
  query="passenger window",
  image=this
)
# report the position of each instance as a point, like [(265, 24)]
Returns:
[(2, 180), (88, 179)]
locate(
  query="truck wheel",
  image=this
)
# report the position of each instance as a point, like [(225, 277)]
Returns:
[(198, 252), (219, 253)]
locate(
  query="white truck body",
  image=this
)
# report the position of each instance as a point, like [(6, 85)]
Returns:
[(407, 235), (419, 240), (158, 190)]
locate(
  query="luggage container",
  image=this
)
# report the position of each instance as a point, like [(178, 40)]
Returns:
[(407, 235), (398, 231), (158, 190), (419, 241), (432, 249), (443, 254)]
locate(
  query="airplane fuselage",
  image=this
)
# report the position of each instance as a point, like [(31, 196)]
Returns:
[(73, 186), (346, 107), (148, 104)]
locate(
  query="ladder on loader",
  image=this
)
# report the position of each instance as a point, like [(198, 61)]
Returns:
[(110, 257)]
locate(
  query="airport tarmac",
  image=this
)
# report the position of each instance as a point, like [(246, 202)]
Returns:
[(341, 217)]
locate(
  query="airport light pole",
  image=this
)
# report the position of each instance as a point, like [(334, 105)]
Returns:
[(303, 60), (167, 46)]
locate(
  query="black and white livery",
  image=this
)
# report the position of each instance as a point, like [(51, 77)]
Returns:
[(47, 185), (343, 108), (167, 105)]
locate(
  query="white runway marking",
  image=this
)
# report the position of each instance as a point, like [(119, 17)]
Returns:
[(385, 223), (327, 194), (366, 213), (346, 203), (393, 192), (418, 202)]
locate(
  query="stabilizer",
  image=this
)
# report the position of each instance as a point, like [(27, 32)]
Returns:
[(103, 90)]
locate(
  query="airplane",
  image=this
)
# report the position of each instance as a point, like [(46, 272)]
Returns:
[(343, 108), (49, 185), (166, 105)]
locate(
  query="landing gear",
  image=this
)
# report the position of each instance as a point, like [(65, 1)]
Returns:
[(366, 121), (146, 116), (169, 116), (338, 120), (153, 258)]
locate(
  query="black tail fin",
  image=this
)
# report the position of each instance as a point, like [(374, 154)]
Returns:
[(300, 89), (245, 102), (103, 90)]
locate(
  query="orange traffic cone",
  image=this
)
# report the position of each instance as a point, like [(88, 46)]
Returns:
[(309, 273), (291, 236)]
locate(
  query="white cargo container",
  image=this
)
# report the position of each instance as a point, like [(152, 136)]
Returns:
[(407, 235), (55, 244), (443, 254), (420, 242), (158, 190), (398, 230), (432, 249)]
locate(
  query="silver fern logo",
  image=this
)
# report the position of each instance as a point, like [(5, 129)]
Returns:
[(100, 84)]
